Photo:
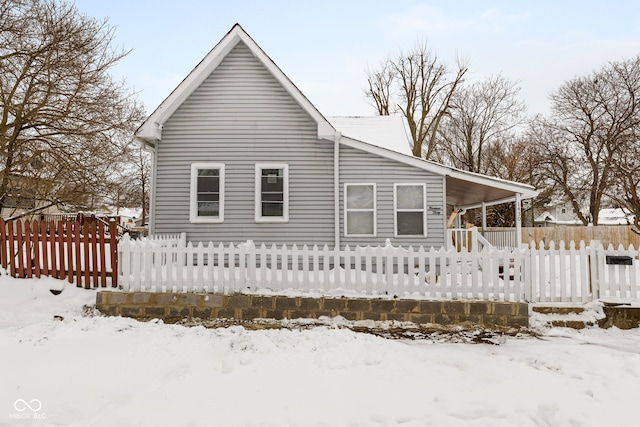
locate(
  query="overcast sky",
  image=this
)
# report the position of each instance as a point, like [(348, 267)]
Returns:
[(325, 47)]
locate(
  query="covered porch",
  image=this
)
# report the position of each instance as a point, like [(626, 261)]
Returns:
[(467, 190)]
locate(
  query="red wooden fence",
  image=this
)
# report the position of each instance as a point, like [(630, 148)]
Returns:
[(85, 249)]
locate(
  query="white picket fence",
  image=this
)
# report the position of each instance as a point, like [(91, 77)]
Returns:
[(554, 274)]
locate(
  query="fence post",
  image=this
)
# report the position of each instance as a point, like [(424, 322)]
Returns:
[(124, 249), (3, 243), (595, 251), (113, 248)]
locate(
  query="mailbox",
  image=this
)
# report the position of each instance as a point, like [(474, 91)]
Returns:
[(619, 260)]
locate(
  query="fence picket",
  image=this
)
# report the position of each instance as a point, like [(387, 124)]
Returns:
[(251, 267), (28, 271), (422, 284), (348, 281), (64, 241), (136, 262), (391, 286), (325, 255), (633, 286), (506, 274), (357, 270), (263, 268), (408, 280), (381, 287), (305, 267), (517, 294), (368, 253)]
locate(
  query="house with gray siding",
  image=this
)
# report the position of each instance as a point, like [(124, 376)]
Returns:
[(239, 153)]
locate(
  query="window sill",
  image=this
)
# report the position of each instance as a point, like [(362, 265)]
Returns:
[(206, 221), (272, 220)]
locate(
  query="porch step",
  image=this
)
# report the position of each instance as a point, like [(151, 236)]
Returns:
[(574, 317), (558, 310)]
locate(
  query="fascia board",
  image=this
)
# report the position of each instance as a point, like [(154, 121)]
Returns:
[(525, 190)]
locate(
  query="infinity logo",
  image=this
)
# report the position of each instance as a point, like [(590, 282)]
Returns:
[(22, 405)]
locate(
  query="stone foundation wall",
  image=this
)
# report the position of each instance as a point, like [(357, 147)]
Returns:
[(173, 307), (620, 316)]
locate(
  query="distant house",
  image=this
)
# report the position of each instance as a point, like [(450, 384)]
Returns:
[(241, 154), (557, 214), (565, 215)]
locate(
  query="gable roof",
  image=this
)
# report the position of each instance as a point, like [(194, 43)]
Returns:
[(463, 189), (151, 130)]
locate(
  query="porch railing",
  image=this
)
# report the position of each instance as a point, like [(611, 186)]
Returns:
[(500, 238), (469, 239)]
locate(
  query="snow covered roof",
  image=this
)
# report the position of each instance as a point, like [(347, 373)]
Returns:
[(615, 216), (388, 132), (608, 216)]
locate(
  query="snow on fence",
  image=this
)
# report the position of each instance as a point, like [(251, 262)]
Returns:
[(554, 274)]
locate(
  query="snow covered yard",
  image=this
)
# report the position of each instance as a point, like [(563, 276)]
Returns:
[(98, 371)]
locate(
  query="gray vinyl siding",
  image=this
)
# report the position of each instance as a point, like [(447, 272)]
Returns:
[(240, 115), (358, 166)]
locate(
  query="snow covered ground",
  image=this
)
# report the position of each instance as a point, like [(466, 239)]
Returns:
[(73, 370)]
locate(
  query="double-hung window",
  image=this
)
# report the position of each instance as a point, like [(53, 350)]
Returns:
[(207, 192), (410, 209), (360, 210), (272, 192)]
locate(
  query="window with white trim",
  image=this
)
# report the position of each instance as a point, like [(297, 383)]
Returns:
[(410, 209), (207, 192), (272, 192), (360, 209)]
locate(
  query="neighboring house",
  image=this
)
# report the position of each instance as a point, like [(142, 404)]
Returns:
[(241, 154), (557, 214), (615, 216), (565, 215)]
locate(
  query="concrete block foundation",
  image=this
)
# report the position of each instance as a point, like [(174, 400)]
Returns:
[(175, 307)]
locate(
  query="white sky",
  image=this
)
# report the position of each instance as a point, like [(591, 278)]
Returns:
[(325, 47)]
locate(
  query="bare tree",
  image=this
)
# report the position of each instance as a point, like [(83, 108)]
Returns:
[(421, 86), (130, 186), (481, 115), (626, 189), (380, 83), (64, 120), (594, 120)]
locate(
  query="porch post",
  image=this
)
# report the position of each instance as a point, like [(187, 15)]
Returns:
[(484, 216), (518, 220)]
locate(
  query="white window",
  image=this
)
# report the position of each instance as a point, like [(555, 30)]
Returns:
[(207, 192), (360, 210), (272, 192), (410, 209)]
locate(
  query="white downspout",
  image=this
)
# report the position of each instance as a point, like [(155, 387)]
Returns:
[(151, 148), (336, 188), (518, 220)]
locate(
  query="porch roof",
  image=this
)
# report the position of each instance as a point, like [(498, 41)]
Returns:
[(469, 194), (464, 190)]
